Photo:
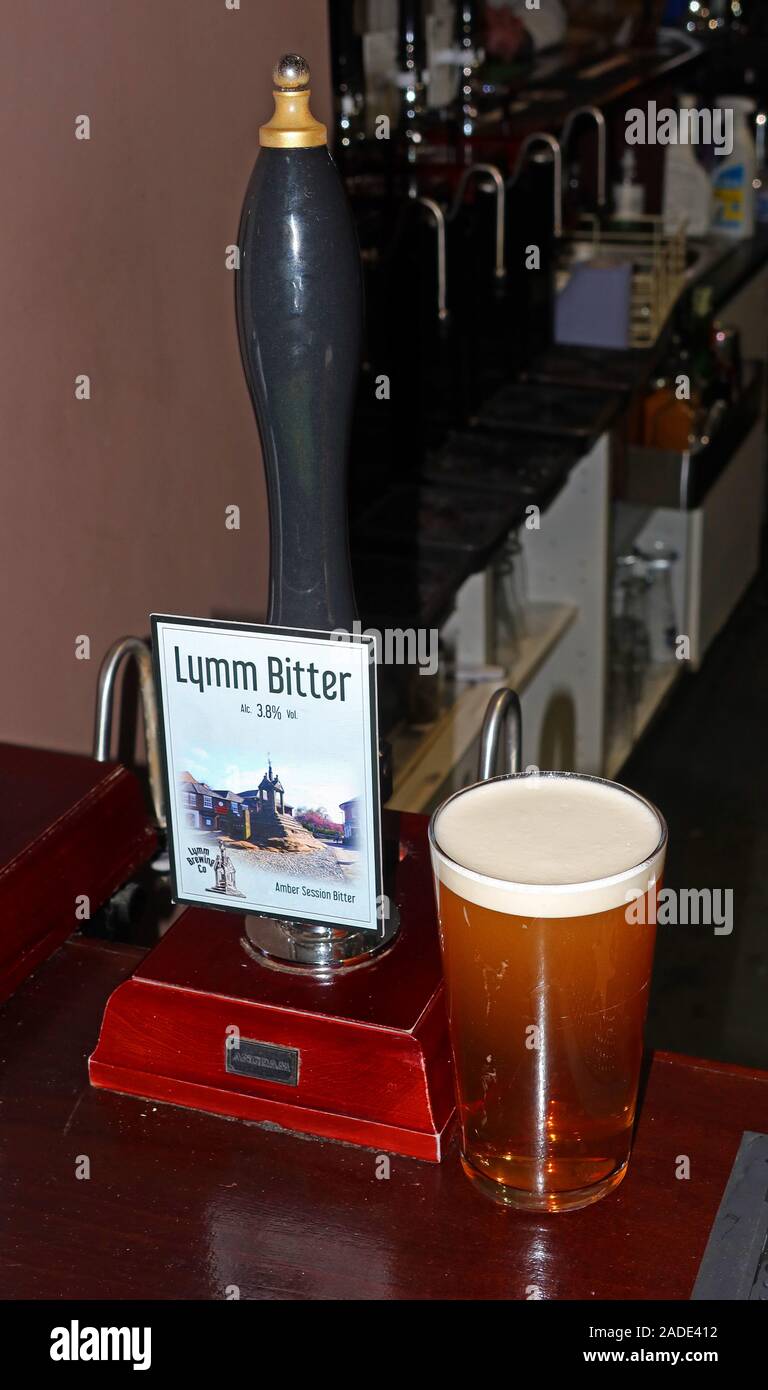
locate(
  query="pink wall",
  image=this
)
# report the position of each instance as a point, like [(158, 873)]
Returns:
[(112, 263)]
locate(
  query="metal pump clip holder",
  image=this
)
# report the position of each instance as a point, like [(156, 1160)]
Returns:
[(120, 651), (503, 716)]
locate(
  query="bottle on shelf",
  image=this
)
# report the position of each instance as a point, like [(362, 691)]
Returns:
[(671, 409), (733, 178), (687, 188), (629, 195), (699, 380)]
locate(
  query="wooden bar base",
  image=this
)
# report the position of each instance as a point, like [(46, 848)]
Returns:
[(364, 1059), (70, 829)]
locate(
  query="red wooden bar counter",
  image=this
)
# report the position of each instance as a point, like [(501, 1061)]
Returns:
[(185, 1205)]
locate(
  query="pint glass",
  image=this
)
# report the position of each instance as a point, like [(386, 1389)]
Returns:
[(546, 888)]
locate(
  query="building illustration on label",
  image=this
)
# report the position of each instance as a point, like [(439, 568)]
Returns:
[(261, 822)]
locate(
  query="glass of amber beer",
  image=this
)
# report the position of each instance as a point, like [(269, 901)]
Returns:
[(543, 884)]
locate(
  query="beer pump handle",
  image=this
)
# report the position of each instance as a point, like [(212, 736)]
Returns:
[(299, 313)]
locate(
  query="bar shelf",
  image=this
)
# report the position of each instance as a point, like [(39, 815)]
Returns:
[(425, 756), (659, 682)]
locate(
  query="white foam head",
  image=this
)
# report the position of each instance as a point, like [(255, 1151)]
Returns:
[(550, 844)]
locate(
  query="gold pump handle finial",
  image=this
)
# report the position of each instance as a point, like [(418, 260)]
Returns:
[(292, 127)]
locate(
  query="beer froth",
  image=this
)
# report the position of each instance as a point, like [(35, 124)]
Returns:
[(549, 845)]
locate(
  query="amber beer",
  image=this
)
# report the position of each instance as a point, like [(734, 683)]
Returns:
[(547, 970)]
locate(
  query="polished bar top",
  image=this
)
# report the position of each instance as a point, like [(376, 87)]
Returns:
[(182, 1205), (71, 829)]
